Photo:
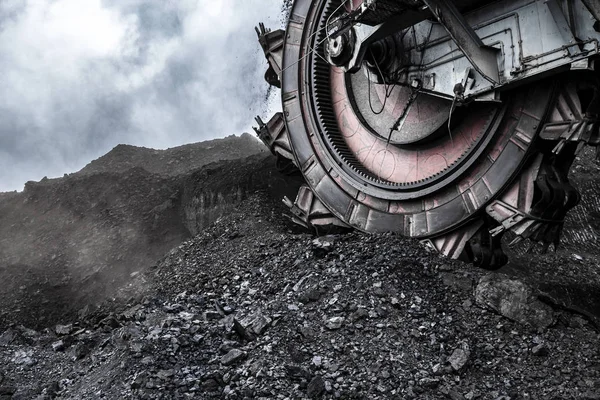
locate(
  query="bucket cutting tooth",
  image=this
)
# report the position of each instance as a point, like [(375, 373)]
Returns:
[(308, 211), (535, 207), (272, 45), (274, 135)]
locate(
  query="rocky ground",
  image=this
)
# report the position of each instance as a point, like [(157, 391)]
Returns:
[(72, 241), (253, 308), (246, 305)]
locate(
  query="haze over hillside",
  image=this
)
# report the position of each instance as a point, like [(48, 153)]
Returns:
[(85, 233)]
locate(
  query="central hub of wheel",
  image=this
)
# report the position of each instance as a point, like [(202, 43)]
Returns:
[(339, 48), (401, 115)]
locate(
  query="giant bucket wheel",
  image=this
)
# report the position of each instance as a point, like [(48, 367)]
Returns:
[(382, 155)]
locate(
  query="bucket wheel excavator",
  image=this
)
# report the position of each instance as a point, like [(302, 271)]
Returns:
[(452, 122)]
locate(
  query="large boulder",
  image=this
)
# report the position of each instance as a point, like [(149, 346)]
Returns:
[(513, 299)]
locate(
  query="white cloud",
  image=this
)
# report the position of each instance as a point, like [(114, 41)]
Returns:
[(80, 76)]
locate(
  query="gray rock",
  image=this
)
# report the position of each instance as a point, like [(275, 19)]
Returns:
[(22, 357), (260, 324), (514, 300), (310, 295), (82, 349), (232, 357), (256, 323), (317, 361), (210, 384), (307, 332), (197, 338), (165, 374), (7, 337), (324, 243), (233, 325), (147, 360), (335, 323), (360, 314), (29, 333), (460, 357), (461, 283), (315, 387), (63, 329), (58, 346)]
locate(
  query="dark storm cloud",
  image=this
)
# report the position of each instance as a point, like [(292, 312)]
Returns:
[(80, 76)]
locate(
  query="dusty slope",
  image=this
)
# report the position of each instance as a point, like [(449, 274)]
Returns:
[(252, 309), (68, 242)]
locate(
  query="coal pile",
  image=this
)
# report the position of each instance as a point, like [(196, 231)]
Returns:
[(252, 308), (73, 241), (144, 278)]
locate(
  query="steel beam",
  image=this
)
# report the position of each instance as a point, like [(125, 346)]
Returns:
[(483, 58), (593, 7), (563, 26)]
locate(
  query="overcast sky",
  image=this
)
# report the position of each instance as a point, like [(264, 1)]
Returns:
[(78, 77)]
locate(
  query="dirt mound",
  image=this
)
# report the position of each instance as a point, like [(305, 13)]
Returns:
[(65, 243), (250, 308), (69, 242)]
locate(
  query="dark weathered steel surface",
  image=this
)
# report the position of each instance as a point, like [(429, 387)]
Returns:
[(309, 211), (274, 135), (379, 155), (272, 44), (483, 58), (594, 7)]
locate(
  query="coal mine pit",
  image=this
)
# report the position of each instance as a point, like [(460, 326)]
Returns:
[(202, 288)]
